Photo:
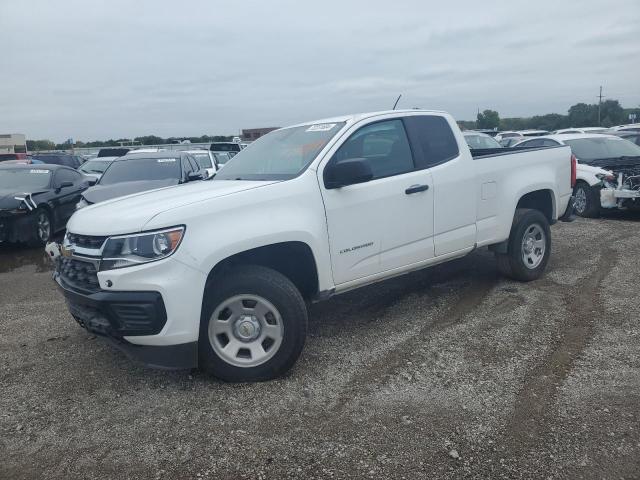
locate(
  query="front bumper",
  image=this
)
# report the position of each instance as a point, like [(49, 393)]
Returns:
[(116, 315), (17, 228)]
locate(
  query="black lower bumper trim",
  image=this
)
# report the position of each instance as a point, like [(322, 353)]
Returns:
[(166, 357), (116, 314)]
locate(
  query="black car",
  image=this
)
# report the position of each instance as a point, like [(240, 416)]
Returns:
[(37, 200), (68, 160), (139, 172)]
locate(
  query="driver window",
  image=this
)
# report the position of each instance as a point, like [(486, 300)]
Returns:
[(383, 144)]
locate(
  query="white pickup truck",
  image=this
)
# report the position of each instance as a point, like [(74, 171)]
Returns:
[(216, 273)]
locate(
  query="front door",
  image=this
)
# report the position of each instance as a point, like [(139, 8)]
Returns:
[(387, 222)]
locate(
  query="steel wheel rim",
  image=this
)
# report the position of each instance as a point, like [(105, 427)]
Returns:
[(534, 245), (43, 226), (246, 330), (580, 200)]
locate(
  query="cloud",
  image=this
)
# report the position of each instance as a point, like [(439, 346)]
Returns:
[(115, 68)]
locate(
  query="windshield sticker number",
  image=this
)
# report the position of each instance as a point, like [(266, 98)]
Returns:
[(320, 127), (38, 171), (166, 160)]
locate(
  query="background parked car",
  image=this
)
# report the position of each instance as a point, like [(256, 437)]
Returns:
[(631, 135), (59, 158), (580, 130), (605, 163), (634, 127), (222, 158), (477, 140), (114, 152), (96, 167), (139, 172), (9, 157), (230, 148), (36, 202), (206, 159)]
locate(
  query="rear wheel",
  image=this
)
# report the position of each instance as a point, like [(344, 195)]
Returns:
[(254, 325), (529, 246), (586, 200), (42, 229)]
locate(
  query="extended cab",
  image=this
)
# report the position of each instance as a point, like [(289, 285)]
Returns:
[(216, 274)]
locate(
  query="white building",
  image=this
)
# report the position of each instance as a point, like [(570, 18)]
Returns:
[(13, 143)]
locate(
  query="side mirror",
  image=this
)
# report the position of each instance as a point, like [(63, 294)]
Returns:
[(92, 181), (347, 172), (199, 175), (64, 185)]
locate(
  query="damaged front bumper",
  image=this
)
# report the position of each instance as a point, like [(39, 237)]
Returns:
[(116, 315), (16, 227), (619, 198)]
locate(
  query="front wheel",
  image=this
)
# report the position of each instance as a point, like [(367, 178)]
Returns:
[(586, 200), (42, 230), (529, 246), (253, 327)]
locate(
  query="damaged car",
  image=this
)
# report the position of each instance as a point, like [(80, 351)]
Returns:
[(139, 172), (608, 170), (36, 201)]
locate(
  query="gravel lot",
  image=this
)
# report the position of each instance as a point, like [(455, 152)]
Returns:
[(451, 372)]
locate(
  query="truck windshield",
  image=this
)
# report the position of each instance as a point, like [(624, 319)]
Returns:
[(138, 169), (586, 149), (280, 155)]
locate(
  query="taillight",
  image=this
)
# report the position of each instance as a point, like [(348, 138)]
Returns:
[(574, 167)]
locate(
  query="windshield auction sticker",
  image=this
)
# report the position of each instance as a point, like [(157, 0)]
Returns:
[(320, 127), (38, 171), (166, 160)]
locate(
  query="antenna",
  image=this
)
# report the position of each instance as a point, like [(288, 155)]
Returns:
[(397, 100)]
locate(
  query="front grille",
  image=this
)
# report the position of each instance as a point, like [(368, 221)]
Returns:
[(85, 241), (78, 274)]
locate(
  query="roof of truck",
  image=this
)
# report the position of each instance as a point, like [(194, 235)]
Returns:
[(356, 117)]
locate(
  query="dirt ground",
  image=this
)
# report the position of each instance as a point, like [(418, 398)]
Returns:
[(452, 372)]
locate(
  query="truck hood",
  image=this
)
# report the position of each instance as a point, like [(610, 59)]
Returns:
[(100, 193), (131, 213)]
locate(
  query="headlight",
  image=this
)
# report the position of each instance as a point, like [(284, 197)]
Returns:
[(609, 177), (135, 249), (82, 203)]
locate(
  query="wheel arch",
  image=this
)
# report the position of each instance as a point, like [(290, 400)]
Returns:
[(542, 200), (293, 259)]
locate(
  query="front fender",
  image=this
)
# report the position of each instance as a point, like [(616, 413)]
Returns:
[(587, 174)]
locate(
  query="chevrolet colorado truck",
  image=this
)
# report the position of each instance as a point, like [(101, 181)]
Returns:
[(216, 274)]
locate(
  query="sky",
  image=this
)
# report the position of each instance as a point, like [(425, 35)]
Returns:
[(92, 70)]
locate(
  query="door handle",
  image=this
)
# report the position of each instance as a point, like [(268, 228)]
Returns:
[(416, 189)]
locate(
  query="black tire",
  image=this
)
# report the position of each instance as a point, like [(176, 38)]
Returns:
[(591, 195), (281, 293), (513, 264), (37, 239)]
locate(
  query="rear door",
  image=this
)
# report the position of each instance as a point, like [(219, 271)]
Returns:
[(453, 176), (387, 222)]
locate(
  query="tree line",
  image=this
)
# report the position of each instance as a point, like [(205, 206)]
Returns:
[(37, 145), (579, 115)]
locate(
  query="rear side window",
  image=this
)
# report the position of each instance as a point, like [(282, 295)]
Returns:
[(433, 138), (65, 175), (383, 144), (531, 144)]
